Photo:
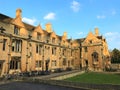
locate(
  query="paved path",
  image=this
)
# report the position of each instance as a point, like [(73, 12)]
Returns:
[(56, 74), (33, 86)]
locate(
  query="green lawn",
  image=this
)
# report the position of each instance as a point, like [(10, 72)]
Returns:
[(97, 78)]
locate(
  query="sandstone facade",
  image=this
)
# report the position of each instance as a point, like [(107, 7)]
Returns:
[(25, 47)]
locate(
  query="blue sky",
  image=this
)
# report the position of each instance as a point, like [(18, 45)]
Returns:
[(76, 17)]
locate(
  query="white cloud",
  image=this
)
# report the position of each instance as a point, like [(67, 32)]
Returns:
[(101, 16), (80, 33), (112, 36), (113, 39), (113, 12), (31, 21), (75, 6), (50, 16)]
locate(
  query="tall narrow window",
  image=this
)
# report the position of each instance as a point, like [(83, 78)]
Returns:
[(72, 62), (16, 45), (40, 49), (64, 61), (4, 44), (37, 48), (86, 49), (13, 45), (64, 51), (16, 30), (71, 52), (54, 50)]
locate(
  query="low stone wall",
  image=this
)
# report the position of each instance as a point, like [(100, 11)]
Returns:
[(67, 76), (115, 66)]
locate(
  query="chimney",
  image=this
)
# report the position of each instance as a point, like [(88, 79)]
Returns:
[(48, 27), (18, 13), (96, 31)]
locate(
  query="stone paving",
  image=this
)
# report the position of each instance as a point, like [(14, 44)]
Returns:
[(45, 83), (56, 74), (33, 86)]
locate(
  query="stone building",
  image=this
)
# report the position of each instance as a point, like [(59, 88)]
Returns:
[(24, 47)]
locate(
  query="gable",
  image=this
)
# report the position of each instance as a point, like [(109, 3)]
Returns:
[(38, 29), (53, 35), (91, 37)]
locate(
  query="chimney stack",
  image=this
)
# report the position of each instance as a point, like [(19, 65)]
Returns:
[(49, 27), (65, 35), (18, 13)]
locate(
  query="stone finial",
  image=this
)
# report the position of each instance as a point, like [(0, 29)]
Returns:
[(49, 27), (65, 34), (18, 13), (96, 31)]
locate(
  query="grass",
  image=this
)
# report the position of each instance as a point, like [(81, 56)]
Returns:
[(96, 78)]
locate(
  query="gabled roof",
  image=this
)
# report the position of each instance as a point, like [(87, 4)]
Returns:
[(38, 29), (7, 19), (91, 36)]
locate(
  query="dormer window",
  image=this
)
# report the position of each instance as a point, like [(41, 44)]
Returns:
[(90, 41), (16, 30), (53, 40), (38, 36)]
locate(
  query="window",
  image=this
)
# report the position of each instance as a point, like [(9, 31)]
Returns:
[(64, 62), (14, 64), (53, 40), (54, 50), (16, 45), (4, 44), (38, 63), (71, 52), (63, 51), (16, 30), (13, 45), (38, 36), (90, 41), (0, 66), (38, 49), (86, 49), (95, 56), (72, 62), (54, 63)]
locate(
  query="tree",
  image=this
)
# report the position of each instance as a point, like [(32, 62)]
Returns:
[(115, 56)]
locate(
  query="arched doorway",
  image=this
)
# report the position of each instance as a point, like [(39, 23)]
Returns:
[(95, 60)]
